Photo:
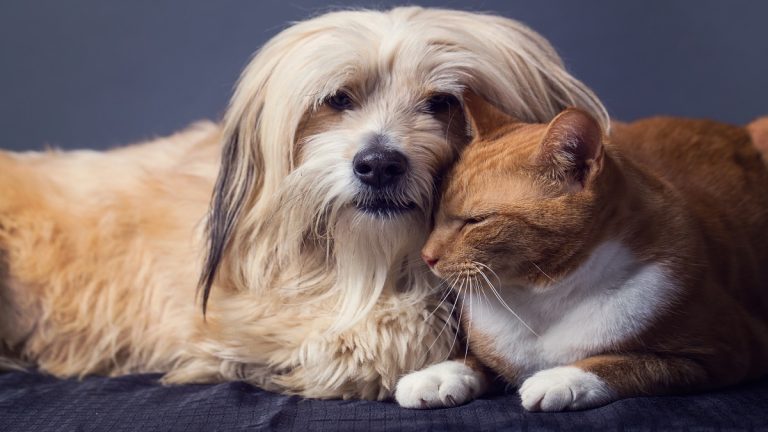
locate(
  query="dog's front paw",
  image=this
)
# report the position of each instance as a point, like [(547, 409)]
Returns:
[(564, 388), (449, 383)]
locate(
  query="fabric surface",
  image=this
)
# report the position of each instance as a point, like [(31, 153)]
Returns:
[(33, 402)]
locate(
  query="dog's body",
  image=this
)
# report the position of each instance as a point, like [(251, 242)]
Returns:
[(103, 280), (327, 162)]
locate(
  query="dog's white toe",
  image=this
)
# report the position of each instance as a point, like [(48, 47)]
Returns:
[(449, 383), (564, 388)]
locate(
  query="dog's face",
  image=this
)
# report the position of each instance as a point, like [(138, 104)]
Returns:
[(377, 145)]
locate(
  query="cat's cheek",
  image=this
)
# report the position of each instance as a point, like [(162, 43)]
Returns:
[(564, 388)]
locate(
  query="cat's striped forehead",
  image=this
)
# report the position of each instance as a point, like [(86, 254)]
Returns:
[(499, 164), (510, 147)]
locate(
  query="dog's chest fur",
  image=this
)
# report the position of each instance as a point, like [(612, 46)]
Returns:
[(610, 298)]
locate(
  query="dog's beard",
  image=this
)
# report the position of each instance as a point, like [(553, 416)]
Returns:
[(365, 235), (386, 204)]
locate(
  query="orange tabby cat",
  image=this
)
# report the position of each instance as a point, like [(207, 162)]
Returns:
[(592, 269)]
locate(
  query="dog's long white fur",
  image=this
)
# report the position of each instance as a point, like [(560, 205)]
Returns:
[(310, 296)]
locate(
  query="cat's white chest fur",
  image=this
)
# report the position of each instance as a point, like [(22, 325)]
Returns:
[(611, 297)]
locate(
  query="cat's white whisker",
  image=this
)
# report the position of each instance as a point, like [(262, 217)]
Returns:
[(504, 303), (542, 271), (478, 263), (483, 292), (461, 312), (448, 291), (448, 319), (469, 321)]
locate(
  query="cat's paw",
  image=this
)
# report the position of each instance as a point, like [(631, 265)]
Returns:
[(564, 388), (445, 384)]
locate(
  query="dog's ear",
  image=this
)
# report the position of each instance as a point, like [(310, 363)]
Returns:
[(258, 148), (238, 183)]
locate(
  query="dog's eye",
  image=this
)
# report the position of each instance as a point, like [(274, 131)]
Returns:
[(441, 102), (341, 101)]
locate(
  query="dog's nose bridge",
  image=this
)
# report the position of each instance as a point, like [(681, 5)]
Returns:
[(379, 140)]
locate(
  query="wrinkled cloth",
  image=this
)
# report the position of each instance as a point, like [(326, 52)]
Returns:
[(35, 402)]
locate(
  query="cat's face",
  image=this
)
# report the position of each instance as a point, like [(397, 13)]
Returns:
[(517, 203)]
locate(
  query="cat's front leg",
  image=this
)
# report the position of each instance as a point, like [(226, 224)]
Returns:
[(450, 383), (599, 380), (565, 388)]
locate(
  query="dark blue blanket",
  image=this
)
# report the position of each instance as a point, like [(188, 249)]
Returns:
[(32, 402)]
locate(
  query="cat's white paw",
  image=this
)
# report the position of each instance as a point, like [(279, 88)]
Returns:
[(564, 388), (449, 383)]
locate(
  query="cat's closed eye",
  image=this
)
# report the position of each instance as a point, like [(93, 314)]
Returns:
[(475, 220)]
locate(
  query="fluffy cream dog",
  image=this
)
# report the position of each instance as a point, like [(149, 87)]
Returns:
[(327, 163)]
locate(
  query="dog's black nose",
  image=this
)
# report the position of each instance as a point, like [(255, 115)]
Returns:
[(379, 166)]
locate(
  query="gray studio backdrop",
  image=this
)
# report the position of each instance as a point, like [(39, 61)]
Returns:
[(100, 73)]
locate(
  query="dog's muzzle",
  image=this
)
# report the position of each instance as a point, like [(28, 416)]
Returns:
[(382, 170)]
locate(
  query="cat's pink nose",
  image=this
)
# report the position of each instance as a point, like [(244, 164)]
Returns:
[(430, 260)]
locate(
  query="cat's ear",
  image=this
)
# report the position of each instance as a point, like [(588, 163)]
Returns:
[(484, 118), (572, 148)]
